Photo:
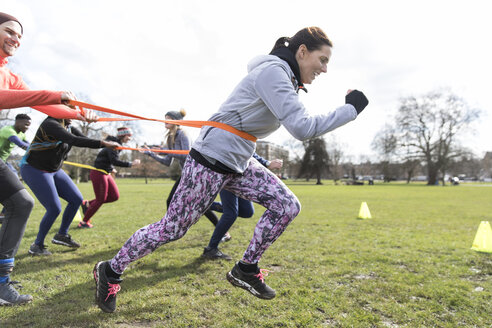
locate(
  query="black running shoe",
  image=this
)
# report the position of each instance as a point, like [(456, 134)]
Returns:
[(106, 287), (39, 250), (85, 225), (215, 253), (65, 240), (85, 206), (10, 296), (252, 282)]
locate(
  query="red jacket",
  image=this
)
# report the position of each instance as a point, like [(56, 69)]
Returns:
[(14, 93)]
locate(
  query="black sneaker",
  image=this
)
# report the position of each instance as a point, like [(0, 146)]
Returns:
[(215, 253), (106, 287), (252, 282), (10, 296), (65, 240), (85, 206), (39, 250)]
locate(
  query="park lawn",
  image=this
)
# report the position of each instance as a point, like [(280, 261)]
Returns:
[(409, 266)]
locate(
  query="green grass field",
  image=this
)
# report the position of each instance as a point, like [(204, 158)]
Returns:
[(409, 266)]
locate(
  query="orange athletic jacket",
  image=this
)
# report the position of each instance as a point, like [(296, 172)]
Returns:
[(14, 93)]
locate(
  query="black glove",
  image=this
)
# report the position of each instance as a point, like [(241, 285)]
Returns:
[(357, 99)]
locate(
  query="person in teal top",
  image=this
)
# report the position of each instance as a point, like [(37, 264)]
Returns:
[(13, 135)]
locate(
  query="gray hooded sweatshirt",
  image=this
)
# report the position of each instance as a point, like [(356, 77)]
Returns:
[(265, 99)]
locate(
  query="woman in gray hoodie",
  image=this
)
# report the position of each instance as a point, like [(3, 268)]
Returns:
[(263, 101)]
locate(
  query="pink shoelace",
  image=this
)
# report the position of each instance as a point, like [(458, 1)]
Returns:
[(263, 273), (112, 290)]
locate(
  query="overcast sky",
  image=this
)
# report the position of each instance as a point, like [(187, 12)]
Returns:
[(148, 57)]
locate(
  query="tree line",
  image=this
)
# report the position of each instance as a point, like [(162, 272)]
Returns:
[(424, 139)]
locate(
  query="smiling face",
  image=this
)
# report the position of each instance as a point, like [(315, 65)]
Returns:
[(312, 63), (10, 36), (125, 138)]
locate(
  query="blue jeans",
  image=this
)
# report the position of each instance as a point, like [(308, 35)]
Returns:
[(233, 207), (48, 187)]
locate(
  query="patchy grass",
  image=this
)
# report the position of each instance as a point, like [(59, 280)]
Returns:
[(409, 266)]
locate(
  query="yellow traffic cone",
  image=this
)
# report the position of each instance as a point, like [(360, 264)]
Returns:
[(77, 216), (364, 211), (483, 238)]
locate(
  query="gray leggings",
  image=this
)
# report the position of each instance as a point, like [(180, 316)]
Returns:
[(17, 210)]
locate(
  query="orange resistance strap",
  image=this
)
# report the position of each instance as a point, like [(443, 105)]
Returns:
[(195, 124), (168, 151)]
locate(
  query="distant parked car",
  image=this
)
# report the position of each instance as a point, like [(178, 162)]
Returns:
[(419, 178)]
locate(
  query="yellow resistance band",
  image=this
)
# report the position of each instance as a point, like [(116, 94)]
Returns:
[(85, 166)]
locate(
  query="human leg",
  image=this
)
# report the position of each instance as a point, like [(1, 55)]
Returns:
[(245, 208), (198, 188), (210, 215), (230, 211), (17, 210), (42, 184), (259, 185), (113, 191), (68, 191), (17, 206), (100, 185)]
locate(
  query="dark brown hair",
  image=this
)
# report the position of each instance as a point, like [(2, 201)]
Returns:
[(6, 17), (312, 37)]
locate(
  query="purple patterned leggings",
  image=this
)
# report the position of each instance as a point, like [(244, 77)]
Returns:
[(197, 190)]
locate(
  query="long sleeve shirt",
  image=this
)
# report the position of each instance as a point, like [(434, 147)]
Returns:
[(20, 143), (263, 101), (107, 158), (181, 142), (15, 93), (52, 143)]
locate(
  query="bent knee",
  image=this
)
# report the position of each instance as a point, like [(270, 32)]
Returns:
[(293, 207), (247, 214), (26, 199)]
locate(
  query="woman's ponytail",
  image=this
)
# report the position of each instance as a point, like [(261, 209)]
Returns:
[(281, 43)]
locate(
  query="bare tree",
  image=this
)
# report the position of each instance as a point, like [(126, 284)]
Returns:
[(385, 143), (430, 127)]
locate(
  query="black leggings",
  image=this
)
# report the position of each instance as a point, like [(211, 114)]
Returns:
[(209, 213)]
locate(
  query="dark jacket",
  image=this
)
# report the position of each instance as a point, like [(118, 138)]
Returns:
[(52, 143), (109, 157)]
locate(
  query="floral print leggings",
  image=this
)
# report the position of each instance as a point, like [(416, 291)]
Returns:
[(197, 190)]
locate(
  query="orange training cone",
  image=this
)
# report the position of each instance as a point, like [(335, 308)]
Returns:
[(483, 238), (364, 212)]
